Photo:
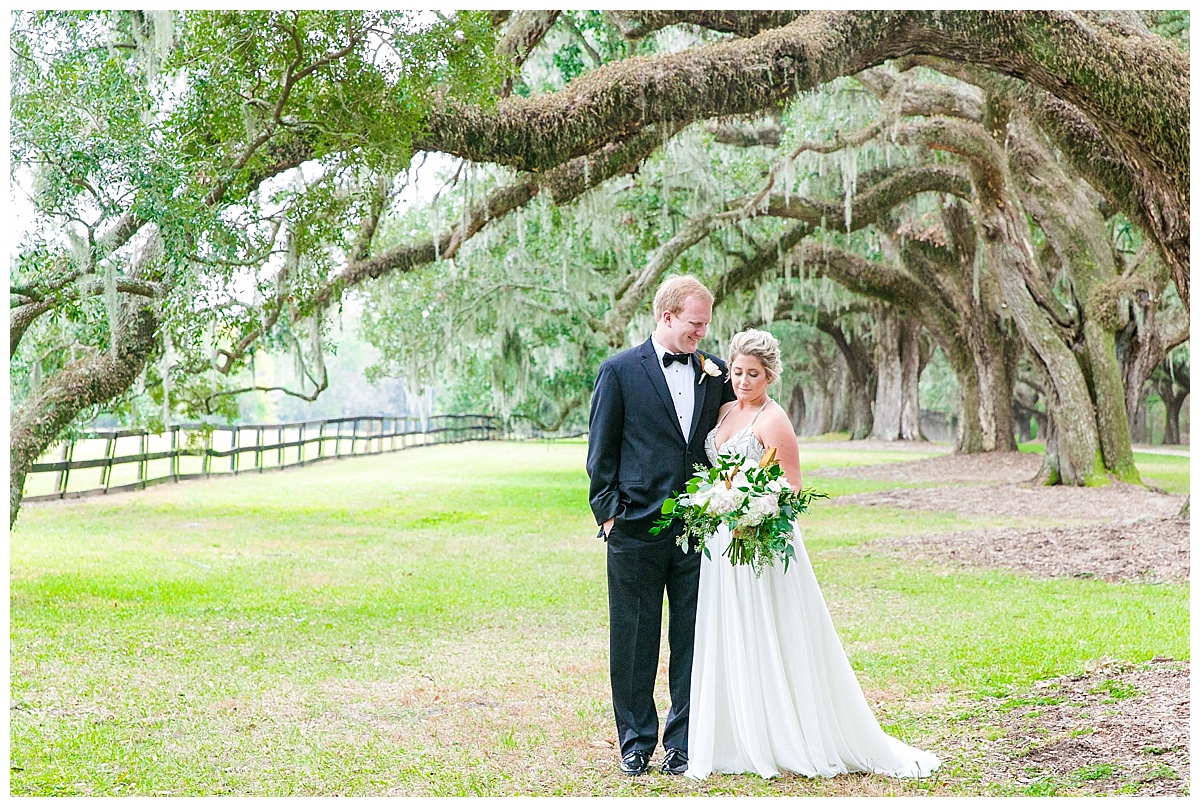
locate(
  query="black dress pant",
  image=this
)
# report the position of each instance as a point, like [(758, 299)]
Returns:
[(640, 569)]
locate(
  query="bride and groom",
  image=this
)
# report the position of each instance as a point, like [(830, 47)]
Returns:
[(758, 679)]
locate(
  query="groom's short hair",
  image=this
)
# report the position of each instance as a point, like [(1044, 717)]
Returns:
[(675, 290)]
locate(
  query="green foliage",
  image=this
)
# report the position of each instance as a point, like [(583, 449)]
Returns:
[(571, 59), (187, 125)]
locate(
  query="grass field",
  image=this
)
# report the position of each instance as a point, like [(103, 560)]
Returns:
[(435, 622)]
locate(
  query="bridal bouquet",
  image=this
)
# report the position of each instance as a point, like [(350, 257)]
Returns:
[(755, 502)]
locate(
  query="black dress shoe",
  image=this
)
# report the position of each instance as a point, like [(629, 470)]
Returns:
[(675, 761), (635, 763)]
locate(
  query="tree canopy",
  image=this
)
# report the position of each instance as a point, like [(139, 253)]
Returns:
[(1008, 190)]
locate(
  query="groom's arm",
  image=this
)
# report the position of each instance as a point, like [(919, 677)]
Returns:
[(605, 427)]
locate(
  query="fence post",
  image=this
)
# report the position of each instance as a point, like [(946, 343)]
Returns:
[(109, 448), (235, 456), (143, 440), (65, 474), (174, 453), (206, 465), (258, 430)]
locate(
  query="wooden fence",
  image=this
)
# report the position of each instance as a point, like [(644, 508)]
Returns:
[(104, 461)]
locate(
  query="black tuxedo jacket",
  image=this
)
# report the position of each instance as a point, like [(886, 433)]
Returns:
[(637, 454)]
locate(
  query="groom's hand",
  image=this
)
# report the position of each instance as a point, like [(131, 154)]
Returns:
[(608, 525)]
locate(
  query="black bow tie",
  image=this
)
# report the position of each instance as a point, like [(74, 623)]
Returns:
[(682, 358)]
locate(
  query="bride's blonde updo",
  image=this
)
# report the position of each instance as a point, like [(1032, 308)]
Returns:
[(762, 346)]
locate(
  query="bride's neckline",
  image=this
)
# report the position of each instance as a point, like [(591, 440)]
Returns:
[(729, 439)]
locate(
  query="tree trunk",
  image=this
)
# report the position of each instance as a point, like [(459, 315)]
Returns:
[(911, 365), (858, 361), (1111, 420), (888, 383), (1049, 472), (94, 379), (1172, 405), (1001, 377), (897, 371), (1140, 358), (969, 434), (819, 414), (1137, 423), (796, 408), (1075, 457), (861, 417)]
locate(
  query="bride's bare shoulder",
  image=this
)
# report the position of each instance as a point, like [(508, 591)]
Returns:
[(774, 422)]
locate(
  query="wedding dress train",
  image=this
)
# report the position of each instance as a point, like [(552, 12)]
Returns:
[(772, 688)]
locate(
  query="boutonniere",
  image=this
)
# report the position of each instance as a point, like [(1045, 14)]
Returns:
[(708, 367)]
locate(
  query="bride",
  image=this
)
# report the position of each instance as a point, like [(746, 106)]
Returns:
[(772, 688)]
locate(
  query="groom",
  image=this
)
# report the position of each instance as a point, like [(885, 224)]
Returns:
[(651, 410)]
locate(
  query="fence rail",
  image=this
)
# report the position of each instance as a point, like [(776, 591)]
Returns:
[(107, 461)]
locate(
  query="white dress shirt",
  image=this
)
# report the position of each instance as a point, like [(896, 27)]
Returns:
[(681, 381)]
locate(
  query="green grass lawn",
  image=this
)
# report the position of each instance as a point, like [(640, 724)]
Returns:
[(434, 622)]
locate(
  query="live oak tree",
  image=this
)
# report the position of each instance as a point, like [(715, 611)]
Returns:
[(158, 151), (212, 183)]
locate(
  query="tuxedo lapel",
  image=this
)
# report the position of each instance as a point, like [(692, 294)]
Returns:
[(650, 363), (701, 389)]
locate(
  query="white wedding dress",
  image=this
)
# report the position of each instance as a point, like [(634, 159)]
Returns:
[(772, 688)]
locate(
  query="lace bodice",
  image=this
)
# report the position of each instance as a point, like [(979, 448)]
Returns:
[(742, 443)]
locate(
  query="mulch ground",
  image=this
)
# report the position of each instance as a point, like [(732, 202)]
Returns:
[(1119, 728), (1113, 502), (1152, 550), (1008, 467)]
